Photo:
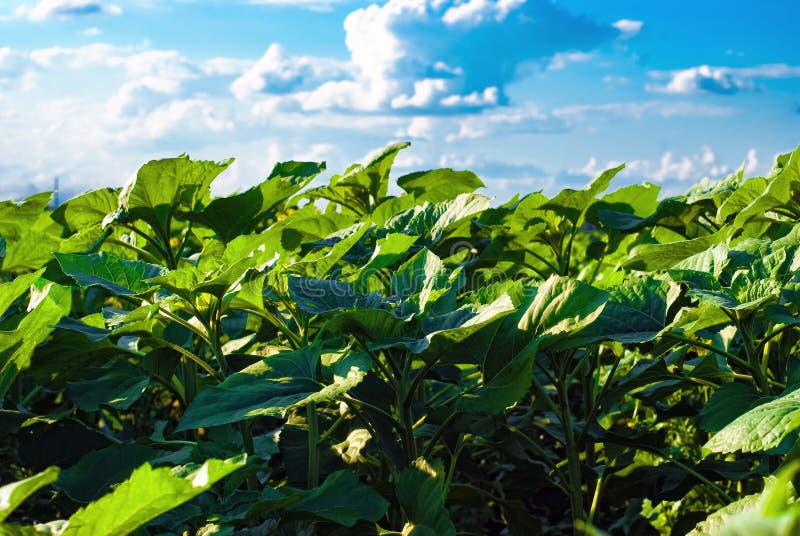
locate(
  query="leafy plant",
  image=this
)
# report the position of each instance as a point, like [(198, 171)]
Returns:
[(338, 360)]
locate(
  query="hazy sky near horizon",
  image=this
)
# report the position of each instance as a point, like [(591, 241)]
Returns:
[(529, 94)]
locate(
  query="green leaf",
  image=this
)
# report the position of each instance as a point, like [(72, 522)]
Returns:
[(9, 292), (635, 313), (343, 499), (741, 198), (423, 280), (762, 428), (107, 270), (727, 403), (439, 184), (117, 384), (561, 308), (162, 188), (84, 483), (432, 220), (268, 388), (17, 346), (573, 204), (87, 210), (420, 489), (319, 296), (147, 494), (12, 495), (236, 215), (651, 257)]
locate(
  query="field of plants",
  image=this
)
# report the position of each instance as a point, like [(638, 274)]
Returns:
[(298, 360)]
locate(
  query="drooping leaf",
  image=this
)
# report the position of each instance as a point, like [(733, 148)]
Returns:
[(147, 494), (420, 489), (117, 384), (163, 188), (12, 495), (235, 215), (344, 499), (439, 184), (762, 428), (268, 388), (107, 270)]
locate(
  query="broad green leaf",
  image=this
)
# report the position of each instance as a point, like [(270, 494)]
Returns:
[(573, 204), (235, 215), (439, 184), (431, 220), (727, 403), (107, 270), (561, 308), (84, 483), (651, 257), (741, 198), (147, 494), (777, 194), (117, 384), (762, 428), (17, 346), (343, 499), (12, 495), (9, 292), (388, 250), (318, 264), (636, 312), (268, 388), (423, 280), (87, 209), (420, 489), (162, 188), (507, 384), (319, 296)]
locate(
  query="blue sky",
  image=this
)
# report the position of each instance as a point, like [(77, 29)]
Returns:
[(530, 94)]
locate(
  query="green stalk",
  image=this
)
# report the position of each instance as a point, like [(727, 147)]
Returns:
[(189, 380), (313, 445), (573, 460)]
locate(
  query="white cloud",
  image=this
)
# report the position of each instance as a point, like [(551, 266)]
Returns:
[(751, 163), (628, 28), (420, 127), (425, 93), (275, 72), (475, 12), (720, 80), (639, 110), (314, 5), (487, 97), (562, 59), (94, 31), (670, 167), (51, 9)]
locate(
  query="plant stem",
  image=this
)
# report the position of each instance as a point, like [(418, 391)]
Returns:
[(573, 459), (313, 445)]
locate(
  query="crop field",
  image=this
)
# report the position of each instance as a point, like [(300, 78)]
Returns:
[(298, 359)]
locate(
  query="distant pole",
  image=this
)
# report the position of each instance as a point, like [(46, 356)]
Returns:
[(55, 191)]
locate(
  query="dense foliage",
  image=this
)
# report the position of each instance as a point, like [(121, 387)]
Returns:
[(337, 360)]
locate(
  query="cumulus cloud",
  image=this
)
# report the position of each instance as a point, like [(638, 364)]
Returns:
[(52, 9), (475, 12), (275, 72), (669, 167), (719, 80), (561, 59), (477, 51), (628, 28), (420, 127)]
